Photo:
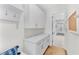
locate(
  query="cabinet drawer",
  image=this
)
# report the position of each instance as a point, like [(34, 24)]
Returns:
[(37, 47), (44, 46)]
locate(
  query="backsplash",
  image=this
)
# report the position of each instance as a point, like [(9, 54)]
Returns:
[(29, 32)]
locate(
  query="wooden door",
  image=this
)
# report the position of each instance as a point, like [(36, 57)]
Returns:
[(72, 22)]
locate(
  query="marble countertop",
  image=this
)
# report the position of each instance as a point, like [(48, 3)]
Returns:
[(37, 38)]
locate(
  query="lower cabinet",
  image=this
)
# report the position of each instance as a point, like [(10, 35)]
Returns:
[(36, 48)]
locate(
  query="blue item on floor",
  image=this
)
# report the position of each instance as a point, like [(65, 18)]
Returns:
[(12, 51)]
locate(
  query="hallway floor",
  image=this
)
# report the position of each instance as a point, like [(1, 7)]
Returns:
[(53, 50)]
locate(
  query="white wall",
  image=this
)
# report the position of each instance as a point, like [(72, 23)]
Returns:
[(72, 39), (71, 43), (58, 12), (10, 35)]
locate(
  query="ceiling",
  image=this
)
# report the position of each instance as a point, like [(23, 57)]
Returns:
[(53, 7)]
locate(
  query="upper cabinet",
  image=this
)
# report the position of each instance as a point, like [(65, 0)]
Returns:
[(35, 17), (19, 6), (9, 13)]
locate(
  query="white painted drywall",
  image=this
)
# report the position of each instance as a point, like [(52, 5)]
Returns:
[(72, 39), (58, 12), (10, 35), (71, 43)]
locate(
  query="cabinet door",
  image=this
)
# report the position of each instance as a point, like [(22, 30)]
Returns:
[(41, 21), (9, 13), (36, 16), (3, 13), (19, 6), (41, 18), (46, 43), (33, 12)]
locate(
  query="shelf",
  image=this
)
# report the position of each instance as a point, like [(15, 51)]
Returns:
[(18, 6), (9, 14)]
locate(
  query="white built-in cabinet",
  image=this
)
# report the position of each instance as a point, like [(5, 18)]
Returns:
[(9, 13), (34, 17), (36, 45), (19, 6)]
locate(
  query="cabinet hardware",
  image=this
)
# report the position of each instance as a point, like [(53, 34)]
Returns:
[(14, 15), (6, 13)]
